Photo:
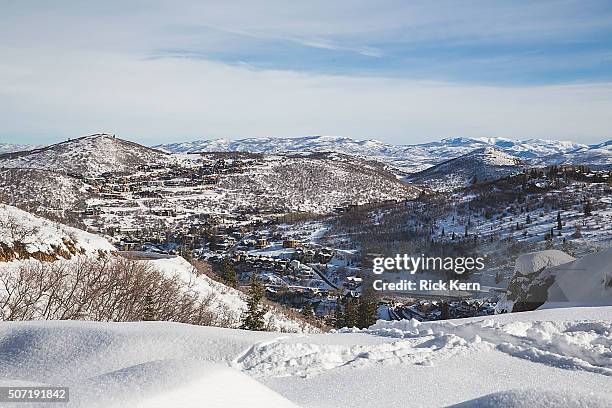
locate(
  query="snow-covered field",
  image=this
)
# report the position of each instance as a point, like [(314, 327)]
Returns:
[(556, 357)]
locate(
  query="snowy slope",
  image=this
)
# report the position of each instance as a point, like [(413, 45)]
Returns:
[(485, 164), (41, 190), (227, 300), (546, 353), (313, 184), (88, 156), (24, 236)]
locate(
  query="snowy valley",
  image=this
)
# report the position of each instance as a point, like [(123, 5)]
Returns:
[(157, 260)]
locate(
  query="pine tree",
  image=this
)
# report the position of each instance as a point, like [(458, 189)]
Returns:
[(253, 318), (367, 313), (350, 312), (228, 272), (338, 314), (588, 209), (308, 310), (559, 225)]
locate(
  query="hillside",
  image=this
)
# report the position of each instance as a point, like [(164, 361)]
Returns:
[(25, 236), (86, 156), (312, 184), (480, 165), (31, 245), (42, 192)]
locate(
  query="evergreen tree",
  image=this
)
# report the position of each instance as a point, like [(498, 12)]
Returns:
[(228, 272), (588, 209), (308, 310), (338, 315), (253, 318), (368, 307), (559, 225), (350, 312)]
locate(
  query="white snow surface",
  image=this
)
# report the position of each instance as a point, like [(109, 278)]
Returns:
[(558, 355), (42, 235), (535, 261), (585, 281)]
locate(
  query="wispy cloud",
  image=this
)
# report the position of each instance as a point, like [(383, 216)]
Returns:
[(395, 70)]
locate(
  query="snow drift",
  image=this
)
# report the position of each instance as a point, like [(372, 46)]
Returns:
[(561, 356), (555, 279)]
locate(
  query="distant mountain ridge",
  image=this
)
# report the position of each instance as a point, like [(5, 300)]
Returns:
[(10, 147), (410, 158)]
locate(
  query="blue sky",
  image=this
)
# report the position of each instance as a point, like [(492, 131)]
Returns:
[(399, 71)]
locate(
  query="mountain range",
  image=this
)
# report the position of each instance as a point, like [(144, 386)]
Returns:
[(412, 158)]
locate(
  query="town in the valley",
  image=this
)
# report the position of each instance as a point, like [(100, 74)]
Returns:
[(309, 224)]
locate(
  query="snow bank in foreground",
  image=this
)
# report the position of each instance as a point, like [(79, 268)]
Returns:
[(538, 399), (151, 364), (577, 345)]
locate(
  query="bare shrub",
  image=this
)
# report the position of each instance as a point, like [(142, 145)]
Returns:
[(106, 289)]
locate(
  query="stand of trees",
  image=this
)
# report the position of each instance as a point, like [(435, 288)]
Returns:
[(359, 312)]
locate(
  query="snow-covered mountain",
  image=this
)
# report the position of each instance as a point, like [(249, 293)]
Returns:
[(597, 156), (410, 158), (88, 156), (480, 165), (9, 147)]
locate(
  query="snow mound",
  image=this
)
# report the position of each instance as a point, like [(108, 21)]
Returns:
[(151, 364), (23, 236), (132, 364), (538, 399), (587, 280), (536, 261), (554, 279), (582, 345)]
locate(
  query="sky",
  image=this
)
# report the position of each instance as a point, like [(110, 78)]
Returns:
[(399, 71)]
